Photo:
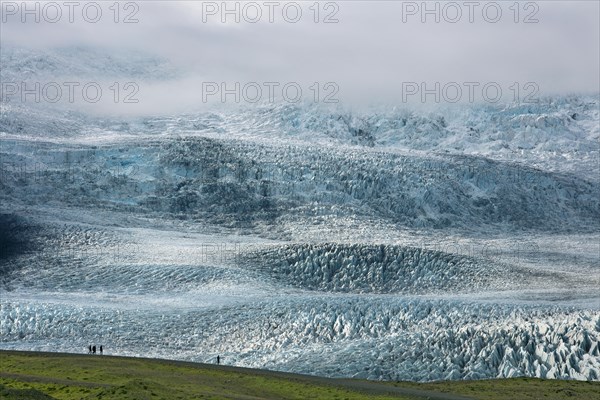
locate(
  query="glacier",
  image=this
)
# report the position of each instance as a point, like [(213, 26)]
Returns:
[(380, 243)]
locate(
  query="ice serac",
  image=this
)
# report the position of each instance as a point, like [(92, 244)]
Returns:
[(361, 268), (371, 337)]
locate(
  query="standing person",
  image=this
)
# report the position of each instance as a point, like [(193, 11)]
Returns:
[(90, 349), (218, 360), (100, 349), (94, 349)]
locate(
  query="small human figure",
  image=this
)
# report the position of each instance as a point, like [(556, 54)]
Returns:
[(90, 349), (94, 349), (218, 360), (100, 349)]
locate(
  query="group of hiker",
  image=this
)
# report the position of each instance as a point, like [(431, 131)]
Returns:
[(92, 349)]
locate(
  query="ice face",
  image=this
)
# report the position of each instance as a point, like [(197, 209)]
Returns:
[(239, 184)]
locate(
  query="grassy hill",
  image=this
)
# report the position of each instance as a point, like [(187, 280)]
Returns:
[(31, 375)]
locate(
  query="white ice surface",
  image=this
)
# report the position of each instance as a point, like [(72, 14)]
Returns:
[(380, 244)]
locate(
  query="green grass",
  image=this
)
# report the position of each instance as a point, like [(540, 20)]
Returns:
[(516, 388), (59, 376), (102, 377)]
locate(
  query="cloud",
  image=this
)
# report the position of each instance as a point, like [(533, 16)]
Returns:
[(374, 50)]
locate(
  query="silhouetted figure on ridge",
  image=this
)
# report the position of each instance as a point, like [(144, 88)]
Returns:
[(94, 349), (218, 360), (100, 349), (90, 349)]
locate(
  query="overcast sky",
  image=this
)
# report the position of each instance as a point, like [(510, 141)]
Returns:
[(371, 52)]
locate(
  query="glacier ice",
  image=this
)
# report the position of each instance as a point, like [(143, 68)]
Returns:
[(381, 244)]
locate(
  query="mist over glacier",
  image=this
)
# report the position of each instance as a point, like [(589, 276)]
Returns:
[(460, 242)]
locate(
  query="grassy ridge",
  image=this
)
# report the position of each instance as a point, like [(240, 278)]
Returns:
[(102, 377), (60, 376)]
